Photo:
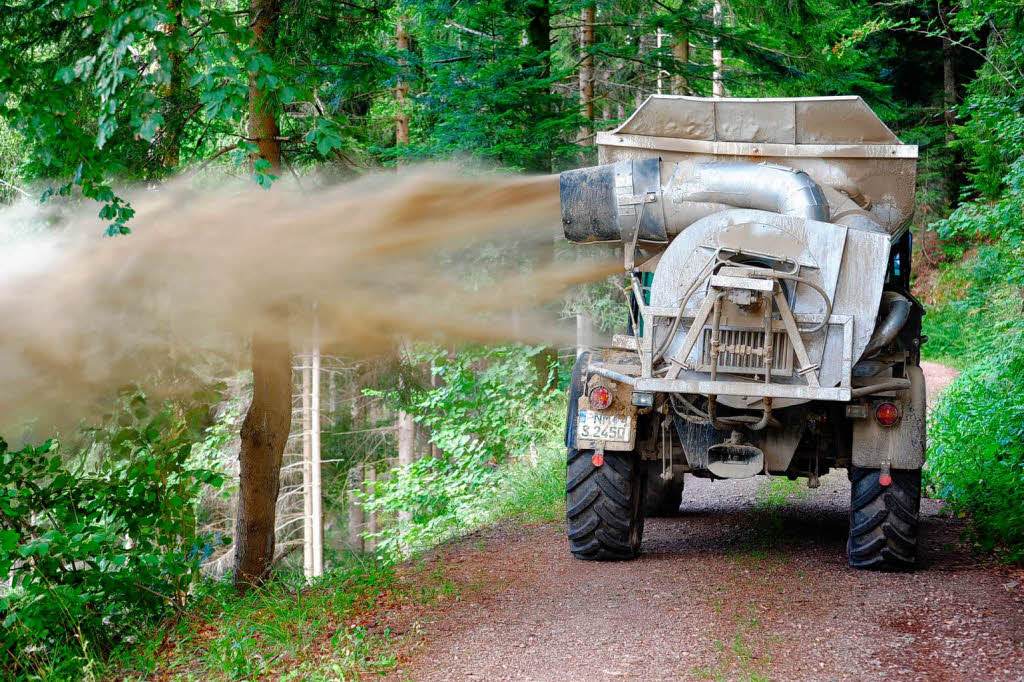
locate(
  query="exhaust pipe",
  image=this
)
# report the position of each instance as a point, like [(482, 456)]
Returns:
[(606, 203)]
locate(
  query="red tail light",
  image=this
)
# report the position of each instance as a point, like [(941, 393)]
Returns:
[(600, 397), (887, 414)]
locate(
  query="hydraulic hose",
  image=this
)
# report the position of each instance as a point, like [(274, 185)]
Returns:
[(897, 313)]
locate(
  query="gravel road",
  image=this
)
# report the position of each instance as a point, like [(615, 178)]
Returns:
[(751, 583)]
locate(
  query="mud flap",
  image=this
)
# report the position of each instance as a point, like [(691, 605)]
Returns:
[(901, 446)]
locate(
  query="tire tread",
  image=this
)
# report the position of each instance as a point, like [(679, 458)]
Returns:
[(884, 520)]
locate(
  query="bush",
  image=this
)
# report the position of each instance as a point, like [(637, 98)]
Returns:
[(976, 448), (486, 411), (94, 548)]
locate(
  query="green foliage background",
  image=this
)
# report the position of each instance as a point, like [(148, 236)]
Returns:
[(99, 537)]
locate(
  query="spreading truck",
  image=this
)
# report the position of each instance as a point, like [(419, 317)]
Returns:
[(772, 331)]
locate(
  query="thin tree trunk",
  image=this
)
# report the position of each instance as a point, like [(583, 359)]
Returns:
[(307, 469), (264, 434), (317, 513), (716, 53), (355, 510), (174, 91), (681, 51), (268, 421), (606, 100), (401, 88), (587, 75), (659, 36), (538, 33), (950, 188), (406, 451), (371, 521)]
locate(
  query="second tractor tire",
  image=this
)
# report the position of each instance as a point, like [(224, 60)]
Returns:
[(604, 505), (884, 519)]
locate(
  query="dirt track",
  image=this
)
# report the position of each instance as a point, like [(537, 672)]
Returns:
[(750, 583)]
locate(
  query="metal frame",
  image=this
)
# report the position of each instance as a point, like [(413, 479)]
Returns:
[(770, 149), (809, 391)]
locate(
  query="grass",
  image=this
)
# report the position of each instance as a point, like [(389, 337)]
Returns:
[(736, 659), (293, 631), (285, 628), (532, 492)]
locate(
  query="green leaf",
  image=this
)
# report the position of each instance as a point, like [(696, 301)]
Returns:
[(9, 540)]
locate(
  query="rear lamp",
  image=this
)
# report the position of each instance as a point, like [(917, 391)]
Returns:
[(600, 398), (887, 414)]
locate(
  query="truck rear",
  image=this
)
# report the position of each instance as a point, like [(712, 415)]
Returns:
[(767, 257)]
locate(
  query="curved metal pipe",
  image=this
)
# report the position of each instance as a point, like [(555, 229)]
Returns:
[(764, 186), (891, 385), (897, 313), (613, 375)]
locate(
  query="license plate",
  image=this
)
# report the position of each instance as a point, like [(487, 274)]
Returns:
[(591, 425)]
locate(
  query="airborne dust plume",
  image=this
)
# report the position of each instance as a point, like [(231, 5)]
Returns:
[(428, 255)]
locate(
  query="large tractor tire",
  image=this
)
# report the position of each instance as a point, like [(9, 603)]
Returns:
[(884, 519), (604, 504), (662, 497)]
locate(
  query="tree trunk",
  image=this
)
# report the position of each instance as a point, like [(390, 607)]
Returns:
[(268, 421), (307, 469), (316, 493), (681, 51), (716, 53), (355, 510), (371, 521), (538, 34), (406, 452), (951, 184), (264, 434), (401, 88), (587, 75), (174, 121), (263, 127)]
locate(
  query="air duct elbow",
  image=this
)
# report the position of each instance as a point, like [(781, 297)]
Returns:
[(765, 187), (626, 200)]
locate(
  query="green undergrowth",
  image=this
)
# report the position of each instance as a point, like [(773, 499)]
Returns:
[(286, 629), (289, 630), (976, 430)]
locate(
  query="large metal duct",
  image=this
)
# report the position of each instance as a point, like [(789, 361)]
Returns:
[(608, 203), (762, 186)]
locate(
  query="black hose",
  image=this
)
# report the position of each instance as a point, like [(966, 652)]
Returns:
[(897, 312)]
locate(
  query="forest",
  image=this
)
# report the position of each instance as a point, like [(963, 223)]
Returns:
[(144, 528)]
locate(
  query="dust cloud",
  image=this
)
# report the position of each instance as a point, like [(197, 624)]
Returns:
[(428, 254)]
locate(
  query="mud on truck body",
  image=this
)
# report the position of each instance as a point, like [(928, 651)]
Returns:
[(772, 329)]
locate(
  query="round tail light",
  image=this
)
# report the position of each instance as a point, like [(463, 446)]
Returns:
[(887, 414), (600, 397)]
